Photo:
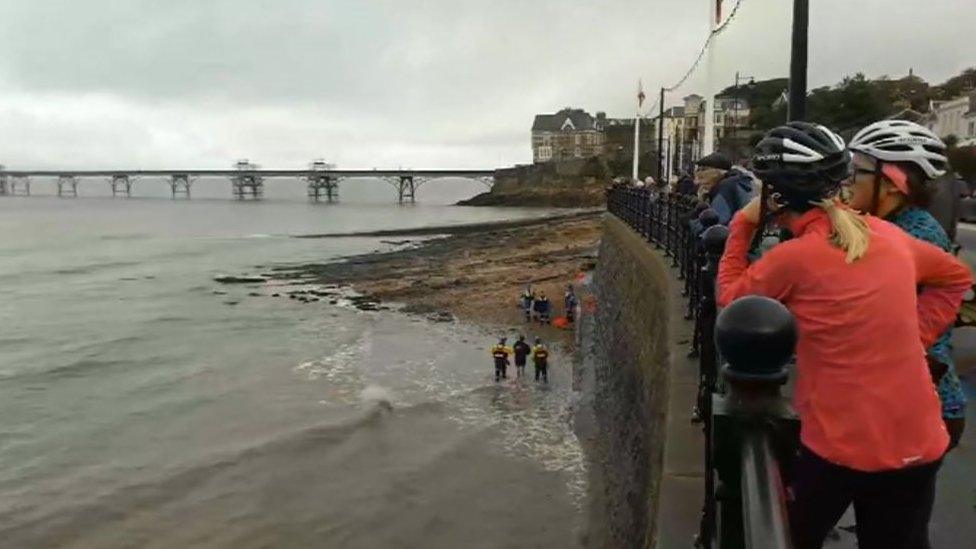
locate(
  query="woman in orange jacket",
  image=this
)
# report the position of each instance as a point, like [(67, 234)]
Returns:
[(871, 427)]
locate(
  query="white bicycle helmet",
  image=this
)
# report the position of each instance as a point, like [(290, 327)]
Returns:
[(903, 141)]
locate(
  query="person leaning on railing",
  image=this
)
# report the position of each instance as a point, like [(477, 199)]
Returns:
[(895, 165), (871, 426), (725, 190)]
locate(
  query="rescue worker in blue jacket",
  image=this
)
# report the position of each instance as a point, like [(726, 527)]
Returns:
[(542, 308)]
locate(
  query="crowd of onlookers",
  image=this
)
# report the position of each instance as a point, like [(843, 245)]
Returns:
[(869, 275)]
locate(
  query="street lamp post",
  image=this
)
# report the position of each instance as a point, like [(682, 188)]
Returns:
[(735, 100), (798, 61)]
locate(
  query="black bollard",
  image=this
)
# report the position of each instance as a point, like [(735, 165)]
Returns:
[(753, 430), (712, 244), (756, 336)]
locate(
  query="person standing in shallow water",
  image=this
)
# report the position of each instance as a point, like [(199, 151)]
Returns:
[(521, 351), (500, 354), (540, 356)]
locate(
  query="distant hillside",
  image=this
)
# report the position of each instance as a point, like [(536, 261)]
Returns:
[(853, 102)]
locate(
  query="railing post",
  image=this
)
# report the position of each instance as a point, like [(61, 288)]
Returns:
[(753, 429), (645, 212), (659, 241), (690, 245), (680, 229), (674, 223), (713, 244), (707, 218), (638, 208), (665, 199)]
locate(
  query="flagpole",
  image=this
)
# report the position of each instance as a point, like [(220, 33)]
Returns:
[(633, 174), (708, 140)]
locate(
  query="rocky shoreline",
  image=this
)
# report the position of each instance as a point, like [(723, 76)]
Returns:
[(470, 272)]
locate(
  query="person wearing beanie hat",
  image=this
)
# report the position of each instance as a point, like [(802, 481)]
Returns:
[(725, 190), (715, 160)]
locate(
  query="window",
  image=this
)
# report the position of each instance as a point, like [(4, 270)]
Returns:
[(577, 152), (578, 139)]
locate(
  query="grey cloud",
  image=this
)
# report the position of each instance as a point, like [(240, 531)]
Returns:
[(445, 82)]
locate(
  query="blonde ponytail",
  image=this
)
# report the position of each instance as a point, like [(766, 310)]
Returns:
[(850, 231)]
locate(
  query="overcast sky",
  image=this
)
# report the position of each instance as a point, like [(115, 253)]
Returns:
[(387, 83)]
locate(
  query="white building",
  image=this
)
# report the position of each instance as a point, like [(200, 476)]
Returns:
[(956, 117), (731, 114)]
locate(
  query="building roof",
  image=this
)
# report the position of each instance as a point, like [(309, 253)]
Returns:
[(568, 119), (782, 100), (908, 114)]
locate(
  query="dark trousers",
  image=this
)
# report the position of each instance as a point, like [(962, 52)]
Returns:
[(543, 370), (501, 370), (519, 368), (892, 508)]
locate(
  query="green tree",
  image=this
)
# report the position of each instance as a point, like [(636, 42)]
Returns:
[(854, 103), (956, 86)]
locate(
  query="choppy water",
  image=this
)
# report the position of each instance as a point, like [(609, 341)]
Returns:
[(141, 408)]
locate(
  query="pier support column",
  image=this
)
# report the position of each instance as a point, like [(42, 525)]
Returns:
[(406, 189), (3, 182), (247, 183), (246, 186), (323, 185), (321, 182), (67, 185), (332, 190), (180, 184), (121, 184), (20, 184)]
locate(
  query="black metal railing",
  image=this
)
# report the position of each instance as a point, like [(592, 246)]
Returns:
[(750, 431)]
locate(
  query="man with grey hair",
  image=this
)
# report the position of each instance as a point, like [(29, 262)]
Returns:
[(725, 190)]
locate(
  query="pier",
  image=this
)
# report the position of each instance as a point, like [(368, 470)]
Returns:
[(247, 180)]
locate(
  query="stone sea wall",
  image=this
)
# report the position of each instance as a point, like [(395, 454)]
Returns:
[(625, 350)]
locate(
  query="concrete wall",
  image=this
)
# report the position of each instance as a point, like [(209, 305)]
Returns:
[(626, 349)]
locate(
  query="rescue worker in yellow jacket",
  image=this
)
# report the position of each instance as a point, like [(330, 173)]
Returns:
[(540, 356), (500, 353)]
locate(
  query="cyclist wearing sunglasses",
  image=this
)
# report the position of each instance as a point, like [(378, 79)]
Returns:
[(871, 428), (894, 166)]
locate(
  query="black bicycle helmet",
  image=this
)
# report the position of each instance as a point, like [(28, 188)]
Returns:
[(801, 162)]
